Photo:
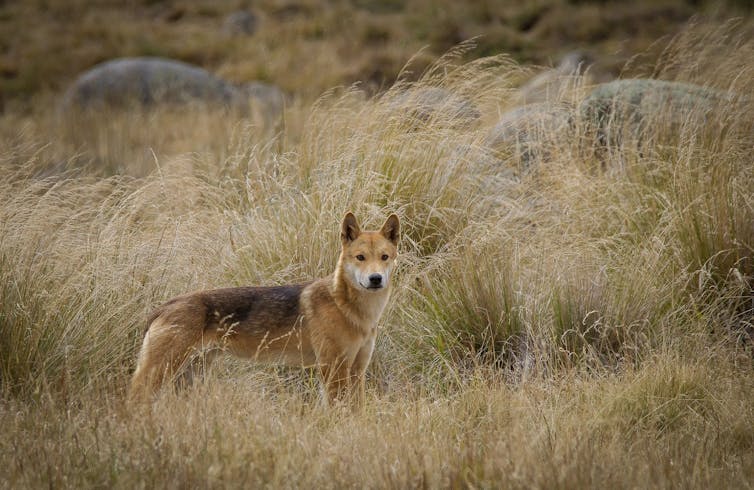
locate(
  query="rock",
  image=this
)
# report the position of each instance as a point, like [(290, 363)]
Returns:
[(148, 81), (436, 105), (267, 98), (575, 63), (240, 23), (494, 177), (627, 108), (575, 68), (530, 130)]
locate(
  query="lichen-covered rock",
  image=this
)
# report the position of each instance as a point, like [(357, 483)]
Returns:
[(577, 68), (631, 107), (268, 99), (147, 81), (436, 105), (530, 130)]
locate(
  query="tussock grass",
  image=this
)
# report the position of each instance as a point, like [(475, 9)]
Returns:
[(586, 323)]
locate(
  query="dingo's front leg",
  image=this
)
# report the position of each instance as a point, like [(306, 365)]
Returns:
[(358, 373)]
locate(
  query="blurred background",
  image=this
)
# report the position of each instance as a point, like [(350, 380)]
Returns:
[(305, 47)]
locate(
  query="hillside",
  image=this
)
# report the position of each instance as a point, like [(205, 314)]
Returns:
[(309, 46)]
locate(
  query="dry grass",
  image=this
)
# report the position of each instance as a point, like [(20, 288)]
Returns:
[(668, 424), (586, 323)]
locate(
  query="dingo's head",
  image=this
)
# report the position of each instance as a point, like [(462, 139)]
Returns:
[(368, 257)]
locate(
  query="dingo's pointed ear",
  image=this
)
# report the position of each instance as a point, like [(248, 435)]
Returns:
[(392, 229), (349, 230)]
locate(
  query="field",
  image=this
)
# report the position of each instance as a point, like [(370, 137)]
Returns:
[(583, 318)]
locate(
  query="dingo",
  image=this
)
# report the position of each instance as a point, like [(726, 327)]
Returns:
[(330, 323)]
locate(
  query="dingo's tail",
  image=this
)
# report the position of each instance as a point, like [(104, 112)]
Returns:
[(165, 353)]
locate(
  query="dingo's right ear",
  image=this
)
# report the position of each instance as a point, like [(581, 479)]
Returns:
[(349, 230)]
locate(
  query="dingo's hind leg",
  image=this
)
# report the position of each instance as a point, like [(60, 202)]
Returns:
[(196, 366)]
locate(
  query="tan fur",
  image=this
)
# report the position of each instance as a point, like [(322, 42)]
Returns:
[(330, 324)]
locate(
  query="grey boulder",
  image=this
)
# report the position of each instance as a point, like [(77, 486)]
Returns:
[(530, 131), (435, 105), (148, 81), (633, 107)]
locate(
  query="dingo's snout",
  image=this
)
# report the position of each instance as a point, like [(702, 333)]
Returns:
[(375, 281)]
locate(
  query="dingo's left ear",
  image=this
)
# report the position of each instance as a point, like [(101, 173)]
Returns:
[(392, 229), (349, 229)]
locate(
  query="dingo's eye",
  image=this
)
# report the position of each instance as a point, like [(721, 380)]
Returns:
[(360, 257), (385, 257)]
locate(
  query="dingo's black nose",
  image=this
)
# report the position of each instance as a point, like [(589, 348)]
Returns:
[(375, 280)]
